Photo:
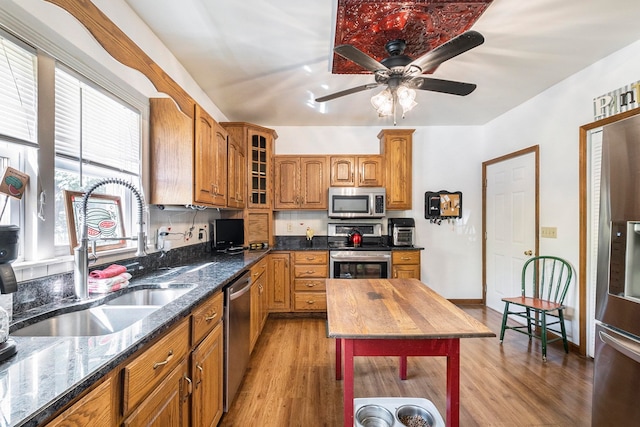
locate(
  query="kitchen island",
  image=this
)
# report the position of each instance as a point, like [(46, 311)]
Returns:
[(397, 317)]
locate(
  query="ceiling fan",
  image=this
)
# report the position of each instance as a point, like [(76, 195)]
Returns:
[(402, 74)]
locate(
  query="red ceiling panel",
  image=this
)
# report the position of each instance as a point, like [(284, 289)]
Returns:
[(423, 25)]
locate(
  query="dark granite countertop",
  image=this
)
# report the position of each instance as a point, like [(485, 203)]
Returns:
[(320, 243), (48, 372)]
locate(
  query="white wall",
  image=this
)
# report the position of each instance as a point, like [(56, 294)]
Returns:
[(552, 120)]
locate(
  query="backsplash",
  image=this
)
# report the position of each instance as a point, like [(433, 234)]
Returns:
[(55, 288)]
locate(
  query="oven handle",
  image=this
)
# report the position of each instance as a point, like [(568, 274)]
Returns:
[(361, 257)]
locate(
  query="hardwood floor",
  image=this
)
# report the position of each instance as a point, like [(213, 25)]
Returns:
[(291, 380)]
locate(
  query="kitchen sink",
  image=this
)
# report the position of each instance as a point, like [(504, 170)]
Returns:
[(147, 297), (101, 320)]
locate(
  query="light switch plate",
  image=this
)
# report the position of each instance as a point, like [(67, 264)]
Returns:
[(549, 232)]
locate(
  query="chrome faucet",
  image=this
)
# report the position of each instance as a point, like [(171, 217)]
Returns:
[(81, 252)]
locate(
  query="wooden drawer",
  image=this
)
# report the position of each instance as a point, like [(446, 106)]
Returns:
[(310, 257), (143, 374), (405, 257), (205, 317), (92, 409), (321, 271), (315, 285), (310, 301), (167, 403), (259, 268)]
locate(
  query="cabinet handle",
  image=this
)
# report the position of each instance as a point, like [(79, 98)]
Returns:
[(310, 302), (404, 258), (165, 361), (256, 274), (213, 316), (311, 285), (201, 374), (310, 258), (189, 387), (310, 271)]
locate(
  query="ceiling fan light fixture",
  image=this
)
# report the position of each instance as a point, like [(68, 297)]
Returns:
[(383, 102), (406, 98)]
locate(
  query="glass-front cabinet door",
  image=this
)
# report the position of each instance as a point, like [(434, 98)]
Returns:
[(259, 187)]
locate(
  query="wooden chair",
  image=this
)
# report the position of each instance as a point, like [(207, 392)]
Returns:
[(545, 281)]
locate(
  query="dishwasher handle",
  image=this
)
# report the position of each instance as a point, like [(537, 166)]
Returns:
[(240, 287)]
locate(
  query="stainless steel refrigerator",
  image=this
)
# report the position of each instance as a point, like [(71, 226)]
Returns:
[(616, 384)]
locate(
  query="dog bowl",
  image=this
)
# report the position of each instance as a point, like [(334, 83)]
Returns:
[(415, 416), (374, 416)]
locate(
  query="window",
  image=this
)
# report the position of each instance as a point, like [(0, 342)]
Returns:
[(96, 136), (18, 90), (18, 119)]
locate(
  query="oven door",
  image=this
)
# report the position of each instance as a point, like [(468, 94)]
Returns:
[(360, 264)]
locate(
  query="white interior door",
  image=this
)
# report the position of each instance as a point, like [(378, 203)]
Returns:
[(510, 225)]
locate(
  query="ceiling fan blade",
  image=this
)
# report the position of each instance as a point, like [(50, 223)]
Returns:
[(354, 54), (347, 92), (444, 86), (454, 47)]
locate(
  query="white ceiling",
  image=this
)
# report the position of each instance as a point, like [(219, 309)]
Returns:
[(265, 61)]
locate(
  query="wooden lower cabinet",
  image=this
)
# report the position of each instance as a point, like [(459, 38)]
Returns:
[(310, 269), (278, 286), (258, 300), (173, 382), (208, 377), (168, 403), (142, 375), (405, 264), (94, 408)]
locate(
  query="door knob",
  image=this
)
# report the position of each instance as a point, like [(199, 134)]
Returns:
[(528, 253)]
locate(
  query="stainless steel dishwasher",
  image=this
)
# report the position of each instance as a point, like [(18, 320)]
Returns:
[(237, 323)]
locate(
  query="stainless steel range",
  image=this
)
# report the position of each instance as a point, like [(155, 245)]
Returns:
[(365, 257)]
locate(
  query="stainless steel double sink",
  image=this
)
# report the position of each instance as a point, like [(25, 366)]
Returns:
[(112, 316)]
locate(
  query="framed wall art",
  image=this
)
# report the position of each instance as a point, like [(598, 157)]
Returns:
[(104, 220)]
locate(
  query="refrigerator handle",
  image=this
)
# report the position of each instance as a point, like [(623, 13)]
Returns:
[(629, 349)]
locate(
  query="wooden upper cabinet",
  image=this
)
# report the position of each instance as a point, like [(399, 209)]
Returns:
[(188, 157), (343, 171), (237, 178), (370, 171), (301, 182), (396, 147), (211, 160), (171, 154), (258, 142), (287, 182), (356, 171), (314, 182)]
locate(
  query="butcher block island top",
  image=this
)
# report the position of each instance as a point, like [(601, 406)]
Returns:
[(395, 308), (396, 317)]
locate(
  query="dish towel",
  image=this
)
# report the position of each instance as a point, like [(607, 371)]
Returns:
[(112, 271), (110, 284)]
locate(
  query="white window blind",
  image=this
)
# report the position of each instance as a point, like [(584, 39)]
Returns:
[(18, 91), (594, 150), (93, 127)]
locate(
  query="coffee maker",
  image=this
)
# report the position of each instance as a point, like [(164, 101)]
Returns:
[(8, 284)]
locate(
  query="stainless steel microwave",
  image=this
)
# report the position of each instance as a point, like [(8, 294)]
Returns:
[(357, 202)]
